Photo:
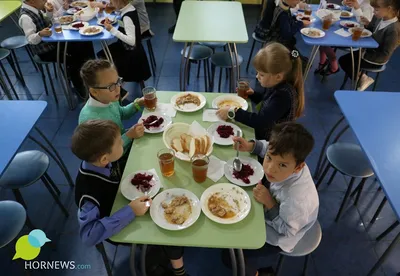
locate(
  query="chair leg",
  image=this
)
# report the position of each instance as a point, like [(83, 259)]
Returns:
[(220, 80), (378, 211), (55, 197), (51, 83), (360, 188), (331, 178), (279, 265), (51, 182), (41, 69), (205, 75), (19, 198), (376, 81), (102, 250), (212, 78), (251, 54), (3, 85), (150, 47), (55, 70), (387, 231), (346, 196), (151, 57), (207, 65), (190, 65), (28, 50), (198, 69), (344, 82), (323, 175), (9, 80), (21, 78), (305, 265)]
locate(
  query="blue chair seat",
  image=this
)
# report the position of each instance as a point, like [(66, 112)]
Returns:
[(213, 45), (258, 39), (199, 52), (14, 42), (375, 70), (12, 217), (4, 53), (349, 159), (223, 59), (25, 169)]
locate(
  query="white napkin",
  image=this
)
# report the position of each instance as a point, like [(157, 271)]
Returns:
[(167, 109), (153, 171), (196, 130), (342, 32), (215, 168), (210, 115)]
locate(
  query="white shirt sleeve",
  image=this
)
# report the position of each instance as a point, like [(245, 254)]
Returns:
[(365, 10), (31, 34), (130, 37)]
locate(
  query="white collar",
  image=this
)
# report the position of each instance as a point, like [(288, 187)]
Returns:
[(93, 102), (127, 8), (32, 9), (384, 23)]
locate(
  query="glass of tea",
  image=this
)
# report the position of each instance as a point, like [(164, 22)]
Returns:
[(166, 159), (307, 10), (57, 25), (242, 86), (357, 32), (199, 167), (326, 23), (109, 8), (150, 98)]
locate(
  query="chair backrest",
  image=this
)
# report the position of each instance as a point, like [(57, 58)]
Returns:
[(267, 13), (12, 217), (308, 243)]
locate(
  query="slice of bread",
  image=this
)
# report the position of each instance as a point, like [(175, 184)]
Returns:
[(205, 142), (185, 140), (177, 145), (208, 144), (198, 145), (192, 148), (202, 145)]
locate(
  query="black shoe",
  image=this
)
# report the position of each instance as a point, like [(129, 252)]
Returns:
[(321, 67), (329, 72), (171, 29), (266, 271)]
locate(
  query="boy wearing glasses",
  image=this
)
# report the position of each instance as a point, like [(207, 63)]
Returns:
[(104, 86)]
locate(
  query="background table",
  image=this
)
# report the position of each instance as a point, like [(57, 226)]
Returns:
[(374, 120), (17, 120), (210, 21), (333, 40), (7, 8)]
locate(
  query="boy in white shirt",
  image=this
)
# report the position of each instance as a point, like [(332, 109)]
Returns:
[(291, 201)]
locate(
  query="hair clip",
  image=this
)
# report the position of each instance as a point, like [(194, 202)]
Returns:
[(294, 54)]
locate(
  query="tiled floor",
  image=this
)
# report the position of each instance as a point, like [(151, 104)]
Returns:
[(347, 248)]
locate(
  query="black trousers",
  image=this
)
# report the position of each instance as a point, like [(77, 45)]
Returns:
[(77, 54), (345, 63), (177, 6), (173, 252)]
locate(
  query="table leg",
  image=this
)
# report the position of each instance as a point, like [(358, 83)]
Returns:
[(132, 263), (3, 84), (143, 260), (106, 50), (234, 63), (314, 52), (352, 67), (384, 255), (186, 70), (242, 267), (63, 85), (358, 68), (233, 261), (181, 68), (237, 65)]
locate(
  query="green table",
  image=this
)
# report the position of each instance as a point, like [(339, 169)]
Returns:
[(7, 8), (250, 233), (210, 21)]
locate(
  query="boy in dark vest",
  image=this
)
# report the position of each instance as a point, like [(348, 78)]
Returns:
[(98, 143), (37, 24)]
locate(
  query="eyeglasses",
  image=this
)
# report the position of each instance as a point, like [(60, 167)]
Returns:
[(113, 86)]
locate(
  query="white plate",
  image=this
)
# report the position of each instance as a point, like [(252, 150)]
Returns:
[(305, 31), (212, 130), (157, 211), (299, 17), (65, 23), (344, 22), (365, 33), (255, 165), (188, 107), (335, 6), (73, 4), (174, 131), (347, 16), (77, 29), (101, 19), (235, 98), (131, 192), (161, 128), (99, 28), (231, 192)]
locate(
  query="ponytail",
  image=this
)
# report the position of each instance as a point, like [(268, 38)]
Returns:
[(296, 79)]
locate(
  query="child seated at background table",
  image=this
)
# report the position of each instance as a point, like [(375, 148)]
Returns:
[(291, 201), (328, 64), (279, 71), (60, 6), (385, 27), (104, 86), (98, 144), (36, 25)]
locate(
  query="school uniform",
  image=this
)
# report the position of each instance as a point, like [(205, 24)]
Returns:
[(128, 53)]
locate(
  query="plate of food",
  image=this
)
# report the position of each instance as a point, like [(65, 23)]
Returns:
[(188, 101), (312, 32), (346, 14), (252, 172), (138, 183), (349, 24), (72, 11), (110, 21), (78, 4), (66, 19), (225, 203), (178, 137), (365, 33), (301, 16), (231, 101), (155, 122), (76, 26), (175, 209), (91, 30), (332, 6), (222, 133)]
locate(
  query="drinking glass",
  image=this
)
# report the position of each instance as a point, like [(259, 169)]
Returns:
[(242, 86), (307, 10), (166, 160), (199, 167), (57, 25), (150, 98), (356, 33)]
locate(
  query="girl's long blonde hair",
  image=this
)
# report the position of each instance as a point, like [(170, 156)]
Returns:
[(275, 58)]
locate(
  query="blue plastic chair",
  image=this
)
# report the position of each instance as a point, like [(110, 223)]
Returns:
[(12, 217)]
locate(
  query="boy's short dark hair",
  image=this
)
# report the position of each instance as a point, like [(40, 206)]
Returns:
[(94, 138), (291, 138)]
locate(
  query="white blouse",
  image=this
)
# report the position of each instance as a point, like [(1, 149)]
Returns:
[(130, 36)]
